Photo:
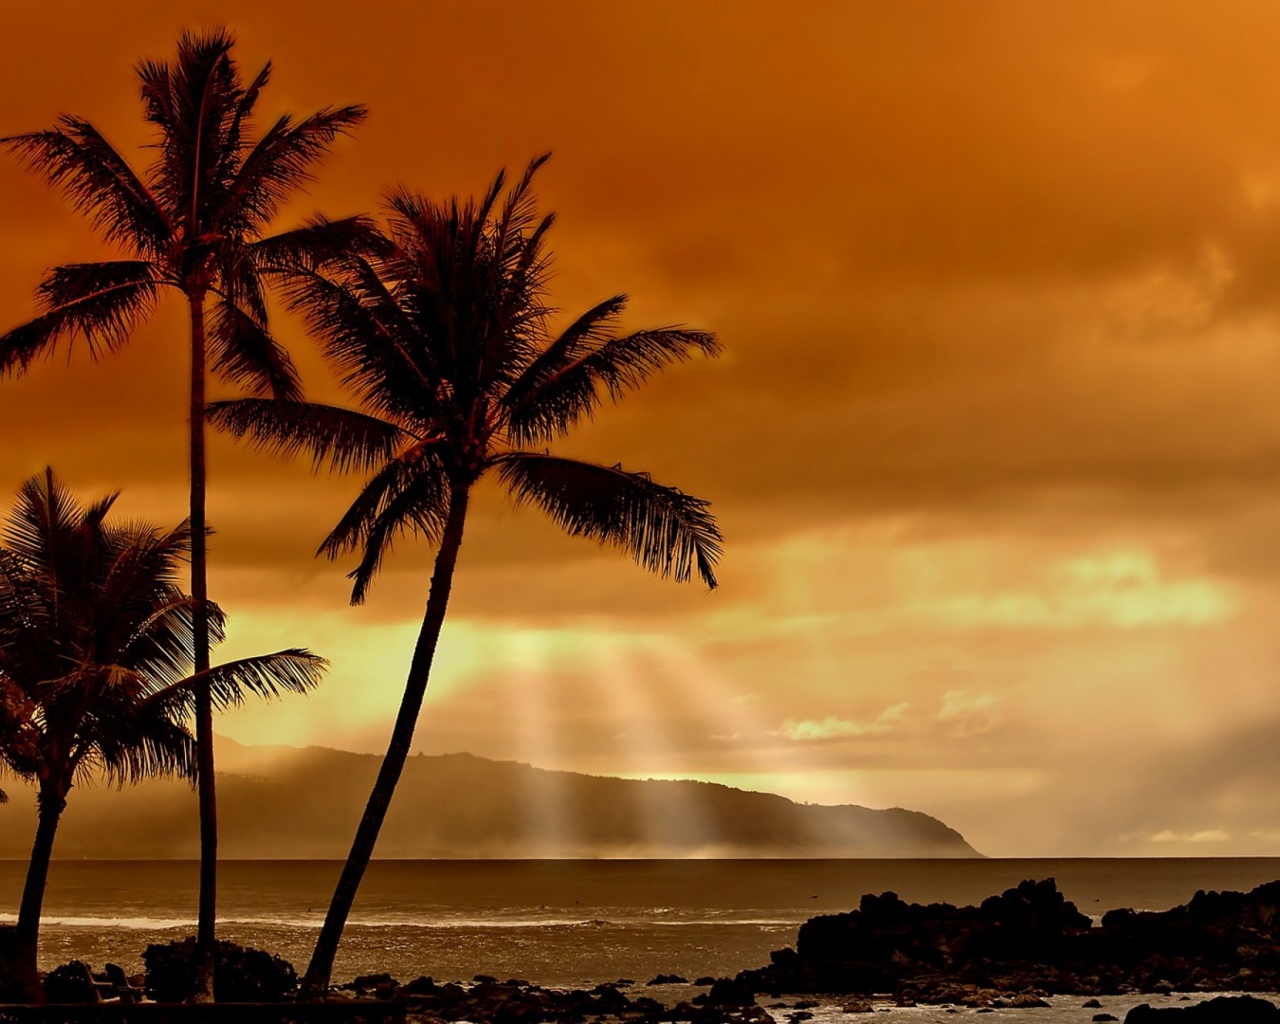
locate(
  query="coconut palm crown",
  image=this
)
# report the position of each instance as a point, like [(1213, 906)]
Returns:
[(194, 220), (96, 660), (441, 332)]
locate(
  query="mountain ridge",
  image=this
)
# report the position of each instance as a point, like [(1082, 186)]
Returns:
[(304, 802)]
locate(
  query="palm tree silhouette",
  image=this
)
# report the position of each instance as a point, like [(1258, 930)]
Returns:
[(194, 222), (95, 656), (440, 332)]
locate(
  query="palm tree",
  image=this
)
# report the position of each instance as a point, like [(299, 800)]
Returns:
[(440, 332), (194, 222), (95, 655)]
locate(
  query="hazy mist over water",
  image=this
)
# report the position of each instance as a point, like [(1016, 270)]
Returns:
[(557, 922)]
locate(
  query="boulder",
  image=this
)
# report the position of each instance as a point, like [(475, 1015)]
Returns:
[(1222, 1010), (730, 992)]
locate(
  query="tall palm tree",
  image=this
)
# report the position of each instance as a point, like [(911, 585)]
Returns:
[(95, 660), (440, 332), (194, 221)]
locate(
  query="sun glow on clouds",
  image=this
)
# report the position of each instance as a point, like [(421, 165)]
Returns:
[(941, 669), (970, 583), (833, 728), (1209, 835)]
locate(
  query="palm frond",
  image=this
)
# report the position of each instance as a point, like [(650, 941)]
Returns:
[(240, 281), (103, 302), (233, 146), (160, 644), (278, 166), (317, 242), (391, 479), (341, 439), (419, 508), (266, 676), (368, 338), (47, 525), (76, 159), (517, 241), (243, 352), (584, 335), (193, 102), (409, 494), (664, 529), (549, 399), (144, 743)]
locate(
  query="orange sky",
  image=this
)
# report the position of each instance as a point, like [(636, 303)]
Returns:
[(994, 444)]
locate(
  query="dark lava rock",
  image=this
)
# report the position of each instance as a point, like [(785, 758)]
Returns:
[(1222, 1010), (370, 982), (1104, 1017), (1030, 938), (668, 979), (730, 992), (1091, 1004), (705, 979)]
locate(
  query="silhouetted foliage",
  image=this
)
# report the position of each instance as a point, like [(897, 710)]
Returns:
[(440, 329), (194, 220), (96, 655), (240, 974), (70, 983)]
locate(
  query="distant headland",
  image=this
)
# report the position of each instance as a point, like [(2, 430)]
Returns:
[(303, 803)]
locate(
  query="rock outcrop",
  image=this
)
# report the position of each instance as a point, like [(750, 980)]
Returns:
[(1223, 1010), (1032, 941)]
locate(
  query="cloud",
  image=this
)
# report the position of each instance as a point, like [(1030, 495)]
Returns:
[(967, 714), (1208, 835), (831, 728)]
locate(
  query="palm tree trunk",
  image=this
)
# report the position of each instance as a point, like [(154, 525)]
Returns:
[(316, 982), (202, 991), (50, 801)]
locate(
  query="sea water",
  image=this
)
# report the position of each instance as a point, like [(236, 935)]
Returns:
[(565, 923)]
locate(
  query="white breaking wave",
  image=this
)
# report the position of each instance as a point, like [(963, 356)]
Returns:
[(131, 923), (314, 922)]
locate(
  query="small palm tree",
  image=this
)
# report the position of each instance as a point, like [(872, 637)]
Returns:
[(95, 659), (195, 222), (440, 331)]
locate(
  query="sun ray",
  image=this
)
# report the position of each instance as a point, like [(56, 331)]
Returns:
[(670, 822), (547, 814)]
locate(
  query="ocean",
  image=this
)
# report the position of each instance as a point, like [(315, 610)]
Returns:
[(560, 923)]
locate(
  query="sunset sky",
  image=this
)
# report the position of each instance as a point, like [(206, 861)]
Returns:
[(994, 444)]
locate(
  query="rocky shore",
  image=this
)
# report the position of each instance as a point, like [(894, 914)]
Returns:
[(1031, 940), (489, 1001), (1015, 951)]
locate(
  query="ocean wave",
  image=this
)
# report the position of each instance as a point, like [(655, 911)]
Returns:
[(128, 923), (440, 924)]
